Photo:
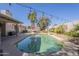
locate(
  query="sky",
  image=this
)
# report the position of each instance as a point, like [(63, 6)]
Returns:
[(62, 12)]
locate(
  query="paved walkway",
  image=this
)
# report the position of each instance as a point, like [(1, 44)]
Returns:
[(8, 45)]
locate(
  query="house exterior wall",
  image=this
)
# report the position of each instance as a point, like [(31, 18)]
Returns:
[(21, 27), (10, 27)]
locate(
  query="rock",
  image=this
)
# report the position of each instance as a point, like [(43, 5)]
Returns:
[(29, 54), (71, 49), (75, 53), (75, 40), (70, 54), (61, 53), (25, 54), (70, 45)]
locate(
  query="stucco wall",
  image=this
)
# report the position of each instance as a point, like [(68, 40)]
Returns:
[(69, 26), (21, 27), (10, 27)]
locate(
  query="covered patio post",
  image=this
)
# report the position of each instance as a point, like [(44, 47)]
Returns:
[(1, 51)]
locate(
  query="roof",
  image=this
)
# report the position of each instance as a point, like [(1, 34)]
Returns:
[(9, 18)]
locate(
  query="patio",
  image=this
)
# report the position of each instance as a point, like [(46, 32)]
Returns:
[(8, 45)]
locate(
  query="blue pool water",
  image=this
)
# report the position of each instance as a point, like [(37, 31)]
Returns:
[(39, 44)]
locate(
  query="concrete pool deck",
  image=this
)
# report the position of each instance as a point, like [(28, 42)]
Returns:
[(10, 49), (8, 45)]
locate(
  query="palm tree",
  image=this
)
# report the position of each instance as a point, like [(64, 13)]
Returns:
[(43, 23), (32, 17)]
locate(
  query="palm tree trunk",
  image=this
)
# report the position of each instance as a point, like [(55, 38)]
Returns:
[(33, 26)]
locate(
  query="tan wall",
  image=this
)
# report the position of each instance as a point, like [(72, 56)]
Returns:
[(10, 27), (68, 27), (21, 27), (71, 25)]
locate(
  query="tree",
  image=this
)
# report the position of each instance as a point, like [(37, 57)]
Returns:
[(32, 17), (43, 23)]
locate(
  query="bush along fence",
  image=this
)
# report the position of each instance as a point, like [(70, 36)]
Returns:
[(60, 30)]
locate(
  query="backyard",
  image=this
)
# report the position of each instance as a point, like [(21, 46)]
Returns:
[(35, 36)]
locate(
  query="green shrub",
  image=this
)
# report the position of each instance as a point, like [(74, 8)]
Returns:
[(51, 30), (72, 33), (59, 29), (76, 27)]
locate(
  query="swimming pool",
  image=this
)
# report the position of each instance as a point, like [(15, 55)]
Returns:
[(39, 44)]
